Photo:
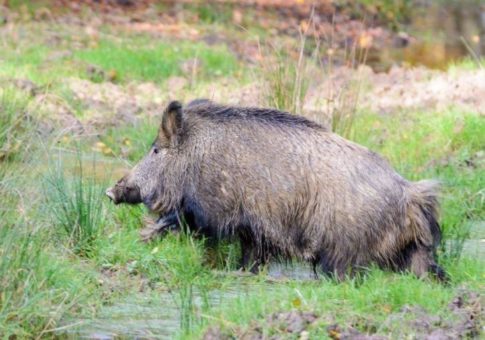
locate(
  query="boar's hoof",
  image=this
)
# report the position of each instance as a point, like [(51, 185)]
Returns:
[(160, 227), (148, 234)]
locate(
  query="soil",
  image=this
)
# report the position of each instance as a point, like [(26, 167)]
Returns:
[(108, 104), (466, 314)]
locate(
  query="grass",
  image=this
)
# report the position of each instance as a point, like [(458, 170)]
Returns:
[(211, 12), (37, 288), (157, 61), (286, 78), (392, 12), (287, 71), (29, 6), (15, 123), (469, 64), (38, 285), (132, 58), (76, 205), (365, 303), (131, 142), (179, 265)]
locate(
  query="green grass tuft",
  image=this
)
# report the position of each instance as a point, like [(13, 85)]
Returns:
[(285, 77), (16, 126), (76, 204)]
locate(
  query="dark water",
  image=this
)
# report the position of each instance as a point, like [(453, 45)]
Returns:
[(438, 33)]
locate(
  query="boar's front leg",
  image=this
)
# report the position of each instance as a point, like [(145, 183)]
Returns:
[(160, 227)]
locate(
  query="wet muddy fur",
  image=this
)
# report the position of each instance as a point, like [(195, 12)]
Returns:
[(284, 187), (415, 258)]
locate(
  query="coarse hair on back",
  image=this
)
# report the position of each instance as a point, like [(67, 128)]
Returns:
[(222, 113)]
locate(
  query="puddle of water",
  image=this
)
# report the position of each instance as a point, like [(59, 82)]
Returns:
[(294, 271), (157, 315), (438, 30), (139, 316), (475, 246)]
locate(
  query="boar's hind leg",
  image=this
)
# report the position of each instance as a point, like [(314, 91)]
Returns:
[(322, 263), (422, 223), (420, 261), (253, 253)]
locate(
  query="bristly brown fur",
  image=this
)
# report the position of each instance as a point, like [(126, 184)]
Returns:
[(283, 185), (221, 113)]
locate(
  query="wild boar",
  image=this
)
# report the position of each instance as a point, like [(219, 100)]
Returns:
[(285, 186)]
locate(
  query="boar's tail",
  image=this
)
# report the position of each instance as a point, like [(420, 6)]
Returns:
[(422, 223), (422, 212)]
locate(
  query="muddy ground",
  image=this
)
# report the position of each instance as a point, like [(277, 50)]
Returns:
[(464, 321)]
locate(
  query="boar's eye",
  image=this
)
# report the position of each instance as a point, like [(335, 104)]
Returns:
[(155, 150)]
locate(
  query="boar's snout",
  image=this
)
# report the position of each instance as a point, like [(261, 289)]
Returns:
[(124, 193), (111, 194)]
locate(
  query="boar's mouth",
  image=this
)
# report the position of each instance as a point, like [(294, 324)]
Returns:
[(110, 193), (124, 194)]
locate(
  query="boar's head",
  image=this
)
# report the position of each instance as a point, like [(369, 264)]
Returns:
[(156, 179)]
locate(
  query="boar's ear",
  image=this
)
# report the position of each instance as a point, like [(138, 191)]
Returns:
[(172, 120)]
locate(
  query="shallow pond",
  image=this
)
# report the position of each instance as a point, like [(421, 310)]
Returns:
[(436, 34), (157, 315), (475, 246)]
